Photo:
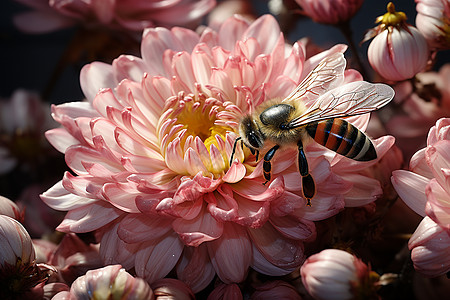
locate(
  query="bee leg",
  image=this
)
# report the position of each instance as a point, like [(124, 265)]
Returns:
[(308, 185), (267, 166), (234, 148)]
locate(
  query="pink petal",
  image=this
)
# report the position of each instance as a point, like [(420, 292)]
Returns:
[(264, 266), (96, 76), (155, 260), (195, 268), (122, 196), (201, 229), (60, 139), (137, 228), (294, 228), (365, 190), (235, 173), (231, 254), (89, 217), (438, 207), (280, 251), (266, 31), (231, 31), (411, 189), (438, 158), (57, 197)]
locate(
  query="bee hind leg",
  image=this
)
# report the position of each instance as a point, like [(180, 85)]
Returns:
[(267, 166), (308, 185)]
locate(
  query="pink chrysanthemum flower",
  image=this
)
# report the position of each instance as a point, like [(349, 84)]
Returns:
[(330, 12), (425, 189), (151, 156)]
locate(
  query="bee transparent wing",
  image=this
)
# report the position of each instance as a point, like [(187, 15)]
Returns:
[(328, 74), (352, 99)]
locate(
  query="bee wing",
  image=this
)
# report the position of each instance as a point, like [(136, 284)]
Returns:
[(352, 99), (328, 74)]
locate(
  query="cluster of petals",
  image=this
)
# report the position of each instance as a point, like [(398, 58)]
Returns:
[(398, 51), (128, 15), (110, 282), (330, 11), (23, 120), (433, 21), (426, 190), (336, 274), (151, 146)]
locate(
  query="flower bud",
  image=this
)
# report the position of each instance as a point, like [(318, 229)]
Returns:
[(336, 274), (15, 243), (330, 11), (110, 282), (398, 51), (433, 21), (430, 246), (19, 274)]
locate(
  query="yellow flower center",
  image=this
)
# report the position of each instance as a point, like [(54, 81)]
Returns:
[(195, 117)]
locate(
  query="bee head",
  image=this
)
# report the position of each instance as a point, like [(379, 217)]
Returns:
[(251, 134)]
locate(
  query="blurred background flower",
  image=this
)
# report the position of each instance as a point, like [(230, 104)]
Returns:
[(433, 21), (121, 15), (23, 120)]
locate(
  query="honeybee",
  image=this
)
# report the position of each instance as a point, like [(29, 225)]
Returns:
[(315, 110)]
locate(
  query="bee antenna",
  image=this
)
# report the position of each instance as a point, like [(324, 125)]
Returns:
[(234, 149)]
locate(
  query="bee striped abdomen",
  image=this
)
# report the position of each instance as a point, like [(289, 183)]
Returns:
[(343, 138)]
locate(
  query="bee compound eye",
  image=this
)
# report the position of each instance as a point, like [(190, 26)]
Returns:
[(253, 140)]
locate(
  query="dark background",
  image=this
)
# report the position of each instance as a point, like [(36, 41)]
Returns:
[(27, 61)]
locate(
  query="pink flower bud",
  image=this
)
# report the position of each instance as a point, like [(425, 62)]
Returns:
[(20, 276), (398, 51), (15, 242), (330, 11), (433, 21), (108, 283), (430, 246), (336, 274)]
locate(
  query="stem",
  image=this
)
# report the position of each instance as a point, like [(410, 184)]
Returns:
[(346, 30)]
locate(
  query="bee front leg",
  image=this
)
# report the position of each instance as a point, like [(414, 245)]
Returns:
[(308, 185), (267, 166)]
